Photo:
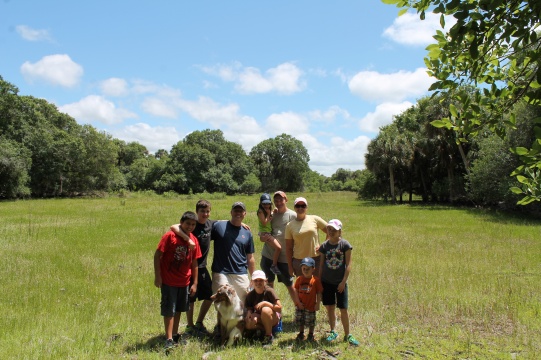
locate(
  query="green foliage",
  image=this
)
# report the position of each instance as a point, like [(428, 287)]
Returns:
[(495, 49), (15, 163), (282, 163)]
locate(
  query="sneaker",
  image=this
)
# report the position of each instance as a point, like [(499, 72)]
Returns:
[(267, 341), (351, 340), (310, 338), (169, 344), (332, 336), (277, 328), (202, 329), (190, 330), (275, 270), (300, 336)]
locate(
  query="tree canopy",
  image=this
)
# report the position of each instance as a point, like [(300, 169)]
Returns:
[(495, 48)]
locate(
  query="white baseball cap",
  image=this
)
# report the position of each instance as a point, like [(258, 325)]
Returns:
[(259, 274), (335, 223)]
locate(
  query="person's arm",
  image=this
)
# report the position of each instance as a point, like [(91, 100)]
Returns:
[(342, 285), (251, 263), (321, 264), (289, 255), (318, 301), (157, 271), (178, 231), (296, 300), (264, 219), (195, 277)]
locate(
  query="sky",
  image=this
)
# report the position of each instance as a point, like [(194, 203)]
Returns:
[(330, 74)]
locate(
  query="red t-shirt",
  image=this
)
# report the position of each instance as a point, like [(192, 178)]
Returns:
[(176, 260), (308, 290)]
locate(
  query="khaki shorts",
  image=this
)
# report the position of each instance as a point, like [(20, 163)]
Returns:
[(240, 283)]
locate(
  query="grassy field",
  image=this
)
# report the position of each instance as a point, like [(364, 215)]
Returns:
[(429, 282)]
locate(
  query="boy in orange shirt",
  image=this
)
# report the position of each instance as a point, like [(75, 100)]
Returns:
[(309, 289)]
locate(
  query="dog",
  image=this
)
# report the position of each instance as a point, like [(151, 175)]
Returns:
[(230, 314)]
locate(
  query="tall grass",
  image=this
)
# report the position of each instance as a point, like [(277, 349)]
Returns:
[(428, 281)]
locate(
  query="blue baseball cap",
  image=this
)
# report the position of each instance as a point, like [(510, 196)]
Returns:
[(308, 261), (265, 199)]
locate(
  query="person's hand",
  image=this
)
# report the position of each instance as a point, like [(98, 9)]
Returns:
[(291, 272), (193, 290), (246, 226), (158, 281), (300, 306), (341, 287), (316, 307), (191, 244)]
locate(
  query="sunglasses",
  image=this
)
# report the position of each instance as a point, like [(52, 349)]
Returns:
[(302, 206)]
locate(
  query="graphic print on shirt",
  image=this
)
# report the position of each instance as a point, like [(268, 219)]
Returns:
[(334, 258), (305, 288), (181, 253)]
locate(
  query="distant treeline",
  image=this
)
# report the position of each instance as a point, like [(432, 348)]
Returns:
[(45, 153)]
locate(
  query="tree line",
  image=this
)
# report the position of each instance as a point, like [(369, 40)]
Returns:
[(412, 156), (45, 153)]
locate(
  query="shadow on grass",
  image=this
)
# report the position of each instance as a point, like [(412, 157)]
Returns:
[(518, 217)]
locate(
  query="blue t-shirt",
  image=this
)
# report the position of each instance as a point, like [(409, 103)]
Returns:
[(334, 266), (232, 244)]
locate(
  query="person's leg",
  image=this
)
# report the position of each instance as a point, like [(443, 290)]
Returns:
[(268, 319), (203, 310), (189, 315), (176, 322), (240, 283), (265, 265), (344, 317), (168, 325)]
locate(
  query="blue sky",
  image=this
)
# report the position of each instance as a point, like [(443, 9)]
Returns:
[(327, 73)]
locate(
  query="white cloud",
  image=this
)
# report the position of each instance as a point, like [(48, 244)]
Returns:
[(96, 108), (30, 34), (286, 122), (54, 69), (284, 79), (341, 153), (409, 29), (114, 87), (374, 86), (330, 115), (383, 115), (159, 107), (153, 138)]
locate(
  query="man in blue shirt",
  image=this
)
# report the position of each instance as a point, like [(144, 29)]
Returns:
[(233, 252)]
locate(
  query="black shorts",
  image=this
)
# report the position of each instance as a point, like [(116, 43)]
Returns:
[(284, 278), (331, 296), (174, 300), (204, 286)]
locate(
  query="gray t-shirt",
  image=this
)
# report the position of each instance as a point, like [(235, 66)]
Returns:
[(334, 266), (279, 222)]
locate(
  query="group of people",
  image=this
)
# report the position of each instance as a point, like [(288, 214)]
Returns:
[(292, 254)]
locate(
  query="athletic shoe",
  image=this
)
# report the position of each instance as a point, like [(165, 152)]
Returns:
[(332, 336), (202, 329), (300, 336), (351, 340), (275, 270), (169, 344), (191, 330), (310, 338), (267, 341)]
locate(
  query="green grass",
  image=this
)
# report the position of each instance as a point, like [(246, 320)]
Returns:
[(428, 281)]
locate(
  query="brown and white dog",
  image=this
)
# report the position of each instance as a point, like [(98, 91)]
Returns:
[(230, 314)]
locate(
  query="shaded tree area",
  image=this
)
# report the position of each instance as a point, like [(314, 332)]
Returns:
[(411, 156), (45, 153)]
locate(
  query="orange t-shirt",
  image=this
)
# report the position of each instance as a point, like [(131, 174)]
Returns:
[(308, 288)]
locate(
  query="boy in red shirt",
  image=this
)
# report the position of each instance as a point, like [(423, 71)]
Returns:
[(175, 262), (308, 288)]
